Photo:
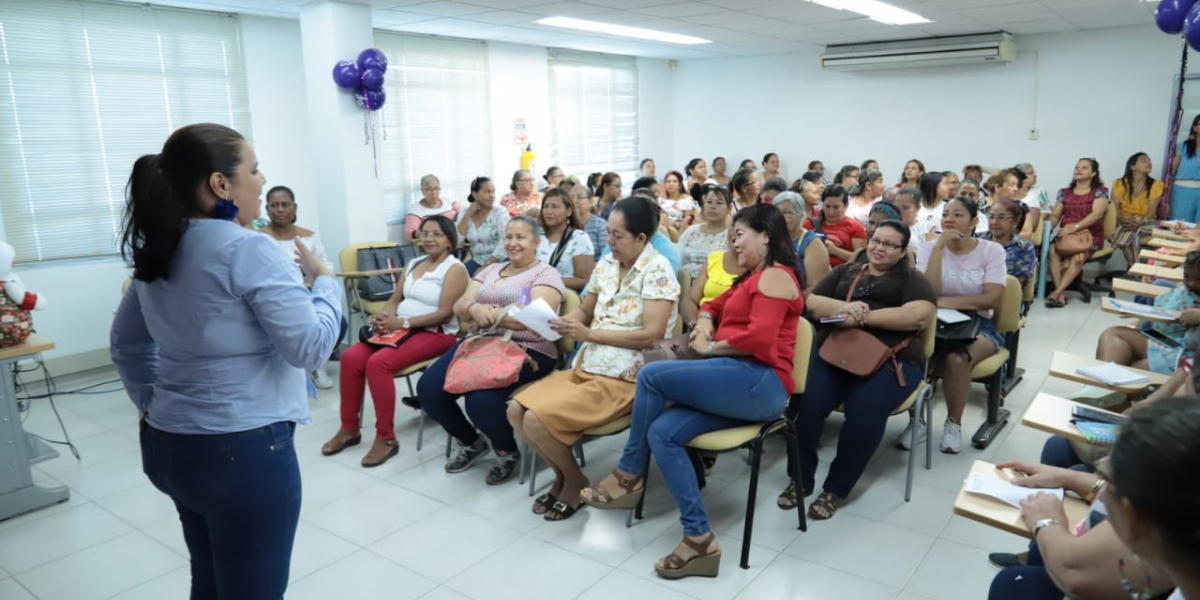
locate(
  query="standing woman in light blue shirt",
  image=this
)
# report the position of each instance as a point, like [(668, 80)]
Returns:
[(213, 341)]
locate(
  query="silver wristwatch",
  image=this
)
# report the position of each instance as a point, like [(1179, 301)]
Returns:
[(404, 324), (1042, 524)]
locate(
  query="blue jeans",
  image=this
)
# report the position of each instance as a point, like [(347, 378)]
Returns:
[(487, 409), (868, 402), (1057, 452), (711, 394), (238, 497), (1030, 582)]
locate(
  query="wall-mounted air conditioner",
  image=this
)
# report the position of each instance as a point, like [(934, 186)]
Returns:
[(932, 52)]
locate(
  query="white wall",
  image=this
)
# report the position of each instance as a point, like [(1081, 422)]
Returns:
[(518, 87), (1103, 94)]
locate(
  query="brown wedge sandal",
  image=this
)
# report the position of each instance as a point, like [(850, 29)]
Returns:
[(703, 564), (380, 452), (788, 499), (597, 495), (341, 441)]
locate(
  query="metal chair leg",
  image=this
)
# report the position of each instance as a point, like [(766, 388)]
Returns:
[(793, 448), (637, 511), (751, 498)]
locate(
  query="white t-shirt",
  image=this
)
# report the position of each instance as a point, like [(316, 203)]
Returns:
[(676, 208), (931, 215), (580, 244), (965, 275), (288, 247), (422, 296)]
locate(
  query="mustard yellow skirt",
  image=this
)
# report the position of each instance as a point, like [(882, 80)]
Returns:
[(571, 402)]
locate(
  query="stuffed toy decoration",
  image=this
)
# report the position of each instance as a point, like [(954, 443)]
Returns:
[(15, 302)]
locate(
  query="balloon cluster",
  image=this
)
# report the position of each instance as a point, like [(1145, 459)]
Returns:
[(365, 78), (1180, 16)]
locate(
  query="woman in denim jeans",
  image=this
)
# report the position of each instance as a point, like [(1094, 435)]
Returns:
[(748, 335), (213, 340)]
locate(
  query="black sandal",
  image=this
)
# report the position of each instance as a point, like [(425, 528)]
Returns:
[(824, 507), (545, 503), (560, 511)]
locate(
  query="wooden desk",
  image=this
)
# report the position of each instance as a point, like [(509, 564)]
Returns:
[(19, 450), (1157, 272), (1065, 366), (1171, 259), (1165, 243), (1106, 305), (1053, 415), (990, 511), (1167, 234), (1138, 288)]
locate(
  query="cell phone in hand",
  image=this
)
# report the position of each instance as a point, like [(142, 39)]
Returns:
[(1161, 338), (834, 319), (1087, 413)]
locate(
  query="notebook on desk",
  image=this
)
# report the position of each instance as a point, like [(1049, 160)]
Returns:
[(1112, 374)]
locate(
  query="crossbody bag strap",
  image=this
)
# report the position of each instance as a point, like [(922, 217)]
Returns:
[(894, 351)]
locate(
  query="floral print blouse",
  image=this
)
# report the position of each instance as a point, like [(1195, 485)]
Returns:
[(517, 208), (1020, 258), (485, 239), (620, 307)]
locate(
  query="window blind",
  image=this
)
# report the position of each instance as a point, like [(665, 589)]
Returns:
[(436, 120), (85, 89), (593, 108)]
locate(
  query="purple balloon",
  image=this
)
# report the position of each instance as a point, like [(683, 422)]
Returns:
[(1171, 14), (373, 58), (1191, 27), (371, 100), (372, 79), (347, 75)]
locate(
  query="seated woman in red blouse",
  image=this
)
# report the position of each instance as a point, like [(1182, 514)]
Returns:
[(1079, 212), (843, 235), (748, 334)]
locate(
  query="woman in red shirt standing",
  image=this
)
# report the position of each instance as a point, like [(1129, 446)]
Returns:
[(748, 334), (843, 236)]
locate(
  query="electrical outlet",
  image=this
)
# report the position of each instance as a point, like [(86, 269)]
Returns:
[(1033, 133)]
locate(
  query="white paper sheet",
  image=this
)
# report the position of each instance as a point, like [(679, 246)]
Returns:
[(1141, 310), (537, 316), (1112, 374), (1004, 491), (950, 316)]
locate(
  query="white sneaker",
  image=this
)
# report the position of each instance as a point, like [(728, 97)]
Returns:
[(321, 379), (904, 440), (952, 438)]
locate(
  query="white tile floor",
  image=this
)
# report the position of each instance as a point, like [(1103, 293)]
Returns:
[(408, 530)]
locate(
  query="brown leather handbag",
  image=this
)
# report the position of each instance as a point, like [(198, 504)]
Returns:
[(1070, 244), (858, 352)]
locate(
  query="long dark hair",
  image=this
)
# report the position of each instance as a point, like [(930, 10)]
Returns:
[(765, 218), (1096, 182), (929, 187), (836, 190), (163, 194), (1153, 466), (1128, 176), (476, 186), (1190, 144), (920, 165)]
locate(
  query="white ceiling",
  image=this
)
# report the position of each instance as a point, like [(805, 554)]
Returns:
[(737, 27)]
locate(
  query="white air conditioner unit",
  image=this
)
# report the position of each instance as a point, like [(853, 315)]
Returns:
[(933, 52)]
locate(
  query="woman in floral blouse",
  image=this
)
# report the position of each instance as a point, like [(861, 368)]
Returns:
[(1006, 220), (630, 303), (523, 199), (482, 224)]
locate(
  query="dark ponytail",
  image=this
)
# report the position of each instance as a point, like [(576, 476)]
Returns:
[(163, 193)]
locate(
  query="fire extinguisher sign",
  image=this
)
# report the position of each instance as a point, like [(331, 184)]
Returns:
[(520, 132)]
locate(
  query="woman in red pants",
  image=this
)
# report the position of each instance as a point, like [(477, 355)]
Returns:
[(424, 306)]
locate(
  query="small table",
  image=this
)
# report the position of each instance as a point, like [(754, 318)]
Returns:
[(1173, 259), (1166, 243), (1106, 305), (1137, 288), (1003, 516), (1053, 415), (1167, 234), (18, 449), (1065, 366), (1174, 274)]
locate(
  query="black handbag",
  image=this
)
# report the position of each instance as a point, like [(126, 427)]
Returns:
[(379, 287), (962, 333)]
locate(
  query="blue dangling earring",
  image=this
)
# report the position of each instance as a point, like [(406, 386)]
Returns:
[(224, 209)]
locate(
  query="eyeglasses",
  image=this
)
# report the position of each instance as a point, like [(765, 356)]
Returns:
[(1003, 218), (280, 205), (884, 244), (789, 213), (432, 235)]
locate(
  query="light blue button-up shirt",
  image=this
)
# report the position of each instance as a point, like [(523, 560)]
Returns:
[(224, 345)]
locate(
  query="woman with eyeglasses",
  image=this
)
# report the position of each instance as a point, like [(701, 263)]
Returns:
[(886, 298), (812, 259), (431, 204), (523, 199), (1004, 184), (281, 210), (746, 186), (969, 275), (423, 307), (697, 243), (884, 210), (842, 235), (1006, 220), (608, 192)]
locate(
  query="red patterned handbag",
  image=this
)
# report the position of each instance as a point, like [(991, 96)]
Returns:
[(486, 361)]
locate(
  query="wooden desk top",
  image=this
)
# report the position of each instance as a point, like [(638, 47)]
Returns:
[(1175, 259), (1166, 234), (1000, 515), (365, 274), (32, 345), (1165, 243), (1157, 272), (1053, 415), (1064, 366), (1106, 305), (1138, 288)]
